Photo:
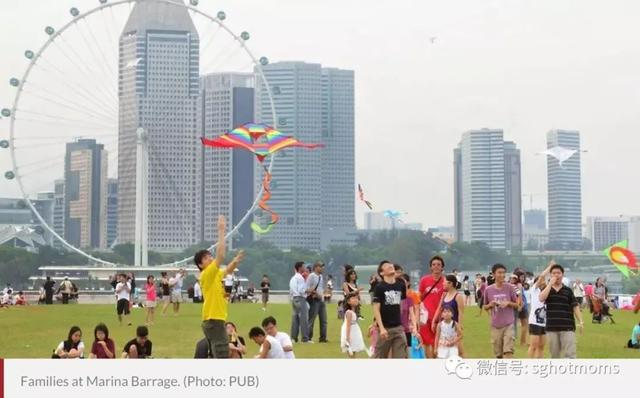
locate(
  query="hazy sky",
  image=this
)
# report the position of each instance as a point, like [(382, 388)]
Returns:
[(524, 66)]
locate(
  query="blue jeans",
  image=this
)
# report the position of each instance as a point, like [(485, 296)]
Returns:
[(318, 308)]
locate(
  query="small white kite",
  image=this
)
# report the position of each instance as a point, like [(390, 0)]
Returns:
[(560, 153), (132, 64)]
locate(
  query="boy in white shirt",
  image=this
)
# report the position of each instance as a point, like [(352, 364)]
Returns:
[(269, 325), (270, 348), (123, 293)]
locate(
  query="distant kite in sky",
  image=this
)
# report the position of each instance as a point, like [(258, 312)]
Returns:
[(362, 199), (394, 215), (262, 141), (433, 40), (623, 258), (560, 153), (133, 63)]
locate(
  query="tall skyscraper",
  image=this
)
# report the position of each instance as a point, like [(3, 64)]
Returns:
[(457, 194), (313, 191), (338, 160), (564, 191), (85, 194), (227, 181), (112, 211), (487, 190), (158, 92), (513, 195), (58, 211)]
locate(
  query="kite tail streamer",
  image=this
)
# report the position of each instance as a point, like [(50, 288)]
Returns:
[(266, 195)]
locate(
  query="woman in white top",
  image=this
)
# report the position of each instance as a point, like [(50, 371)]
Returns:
[(72, 347), (537, 315)]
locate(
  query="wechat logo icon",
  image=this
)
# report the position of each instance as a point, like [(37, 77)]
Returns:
[(455, 365)]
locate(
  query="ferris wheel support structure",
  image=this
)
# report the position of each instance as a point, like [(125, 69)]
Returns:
[(34, 57)]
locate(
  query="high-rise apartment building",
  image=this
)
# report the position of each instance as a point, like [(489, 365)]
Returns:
[(85, 194), (564, 191), (487, 187)]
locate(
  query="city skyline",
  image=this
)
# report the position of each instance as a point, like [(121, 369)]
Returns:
[(551, 94)]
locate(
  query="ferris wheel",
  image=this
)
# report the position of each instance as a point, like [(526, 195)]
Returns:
[(81, 86)]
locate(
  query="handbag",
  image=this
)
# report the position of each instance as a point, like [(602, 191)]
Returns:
[(424, 312), (312, 296), (416, 351)]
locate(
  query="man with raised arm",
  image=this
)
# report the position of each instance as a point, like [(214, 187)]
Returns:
[(214, 309)]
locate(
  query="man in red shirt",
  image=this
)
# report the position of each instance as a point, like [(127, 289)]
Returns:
[(431, 290)]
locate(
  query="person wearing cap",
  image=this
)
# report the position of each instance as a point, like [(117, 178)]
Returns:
[(317, 306)]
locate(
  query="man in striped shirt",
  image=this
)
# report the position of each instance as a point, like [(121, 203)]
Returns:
[(562, 310)]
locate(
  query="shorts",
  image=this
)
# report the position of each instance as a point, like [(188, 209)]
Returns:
[(176, 297), (150, 304), (122, 307), (467, 293), (503, 340), (166, 298), (580, 300), (523, 314), (265, 297), (228, 289), (428, 337), (447, 352), (537, 330)]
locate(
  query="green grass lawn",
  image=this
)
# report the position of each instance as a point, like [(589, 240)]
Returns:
[(34, 331)]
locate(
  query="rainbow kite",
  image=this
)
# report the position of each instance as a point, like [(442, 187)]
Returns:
[(623, 258), (262, 141)]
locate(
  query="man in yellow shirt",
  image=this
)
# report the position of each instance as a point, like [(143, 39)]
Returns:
[(214, 309)]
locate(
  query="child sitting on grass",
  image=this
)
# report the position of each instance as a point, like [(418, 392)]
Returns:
[(140, 347), (103, 347)]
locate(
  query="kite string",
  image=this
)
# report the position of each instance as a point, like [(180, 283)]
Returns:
[(266, 195)]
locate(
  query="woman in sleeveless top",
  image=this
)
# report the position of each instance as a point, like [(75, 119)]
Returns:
[(350, 286), (166, 292), (72, 347), (453, 301)]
